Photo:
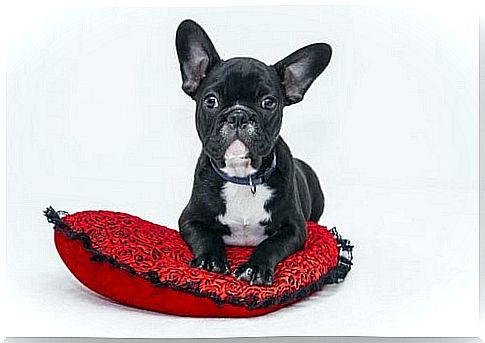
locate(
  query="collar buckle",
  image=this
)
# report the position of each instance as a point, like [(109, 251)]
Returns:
[(252, 185)]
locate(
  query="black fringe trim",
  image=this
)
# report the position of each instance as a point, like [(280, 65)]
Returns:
[(345, 257), (335, 275)]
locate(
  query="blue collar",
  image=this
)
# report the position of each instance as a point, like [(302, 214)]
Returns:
[(260, 177)]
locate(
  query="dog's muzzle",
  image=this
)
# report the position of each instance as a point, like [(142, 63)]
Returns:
[(238, 117)]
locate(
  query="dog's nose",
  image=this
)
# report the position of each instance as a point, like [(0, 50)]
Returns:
[(238, 119)]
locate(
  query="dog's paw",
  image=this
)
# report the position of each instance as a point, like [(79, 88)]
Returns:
[(255, 274), (210, 263)]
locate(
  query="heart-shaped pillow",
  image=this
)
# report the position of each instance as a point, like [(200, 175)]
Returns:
[(141, 264)]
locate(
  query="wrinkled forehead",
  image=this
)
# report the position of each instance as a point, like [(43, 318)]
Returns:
[(243, 79)]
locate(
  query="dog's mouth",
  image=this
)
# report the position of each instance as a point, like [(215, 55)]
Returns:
[(236, 150), (236, 153), (228, 146), (237, 160)]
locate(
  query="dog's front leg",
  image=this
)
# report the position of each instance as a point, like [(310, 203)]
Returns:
[(259, 269), (207, 246)]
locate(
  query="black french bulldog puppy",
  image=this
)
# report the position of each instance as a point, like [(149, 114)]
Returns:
[(248, 189)]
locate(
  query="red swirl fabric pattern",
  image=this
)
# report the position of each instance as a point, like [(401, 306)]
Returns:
[(159, 254)]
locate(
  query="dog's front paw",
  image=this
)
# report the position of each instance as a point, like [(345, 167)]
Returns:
[(210, 263), (254, 273)]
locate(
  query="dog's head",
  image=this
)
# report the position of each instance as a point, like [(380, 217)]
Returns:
[(240, 101)]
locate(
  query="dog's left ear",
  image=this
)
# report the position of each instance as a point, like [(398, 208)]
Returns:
[(196, 54), (301, 68)]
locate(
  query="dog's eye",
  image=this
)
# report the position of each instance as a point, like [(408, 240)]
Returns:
[(210, 101), (268, 103)]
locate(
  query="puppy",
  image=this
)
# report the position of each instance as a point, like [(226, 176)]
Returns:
[(248, 189)]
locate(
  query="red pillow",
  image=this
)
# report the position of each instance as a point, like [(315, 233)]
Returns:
[(141, 264)]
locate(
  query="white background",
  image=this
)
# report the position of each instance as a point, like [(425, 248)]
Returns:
[(96, 119)]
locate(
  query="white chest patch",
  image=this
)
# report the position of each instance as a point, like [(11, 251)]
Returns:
[(244, 213), (244, 210)]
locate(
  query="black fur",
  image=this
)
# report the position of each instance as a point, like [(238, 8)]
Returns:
[(241, 84)]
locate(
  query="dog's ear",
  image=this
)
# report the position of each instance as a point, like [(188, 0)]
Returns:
[(301, 68), (196, 55)]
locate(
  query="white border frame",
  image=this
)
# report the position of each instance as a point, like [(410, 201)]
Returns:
[(16, 21)]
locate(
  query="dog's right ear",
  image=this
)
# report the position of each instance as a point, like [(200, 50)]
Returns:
[(197, 55)]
